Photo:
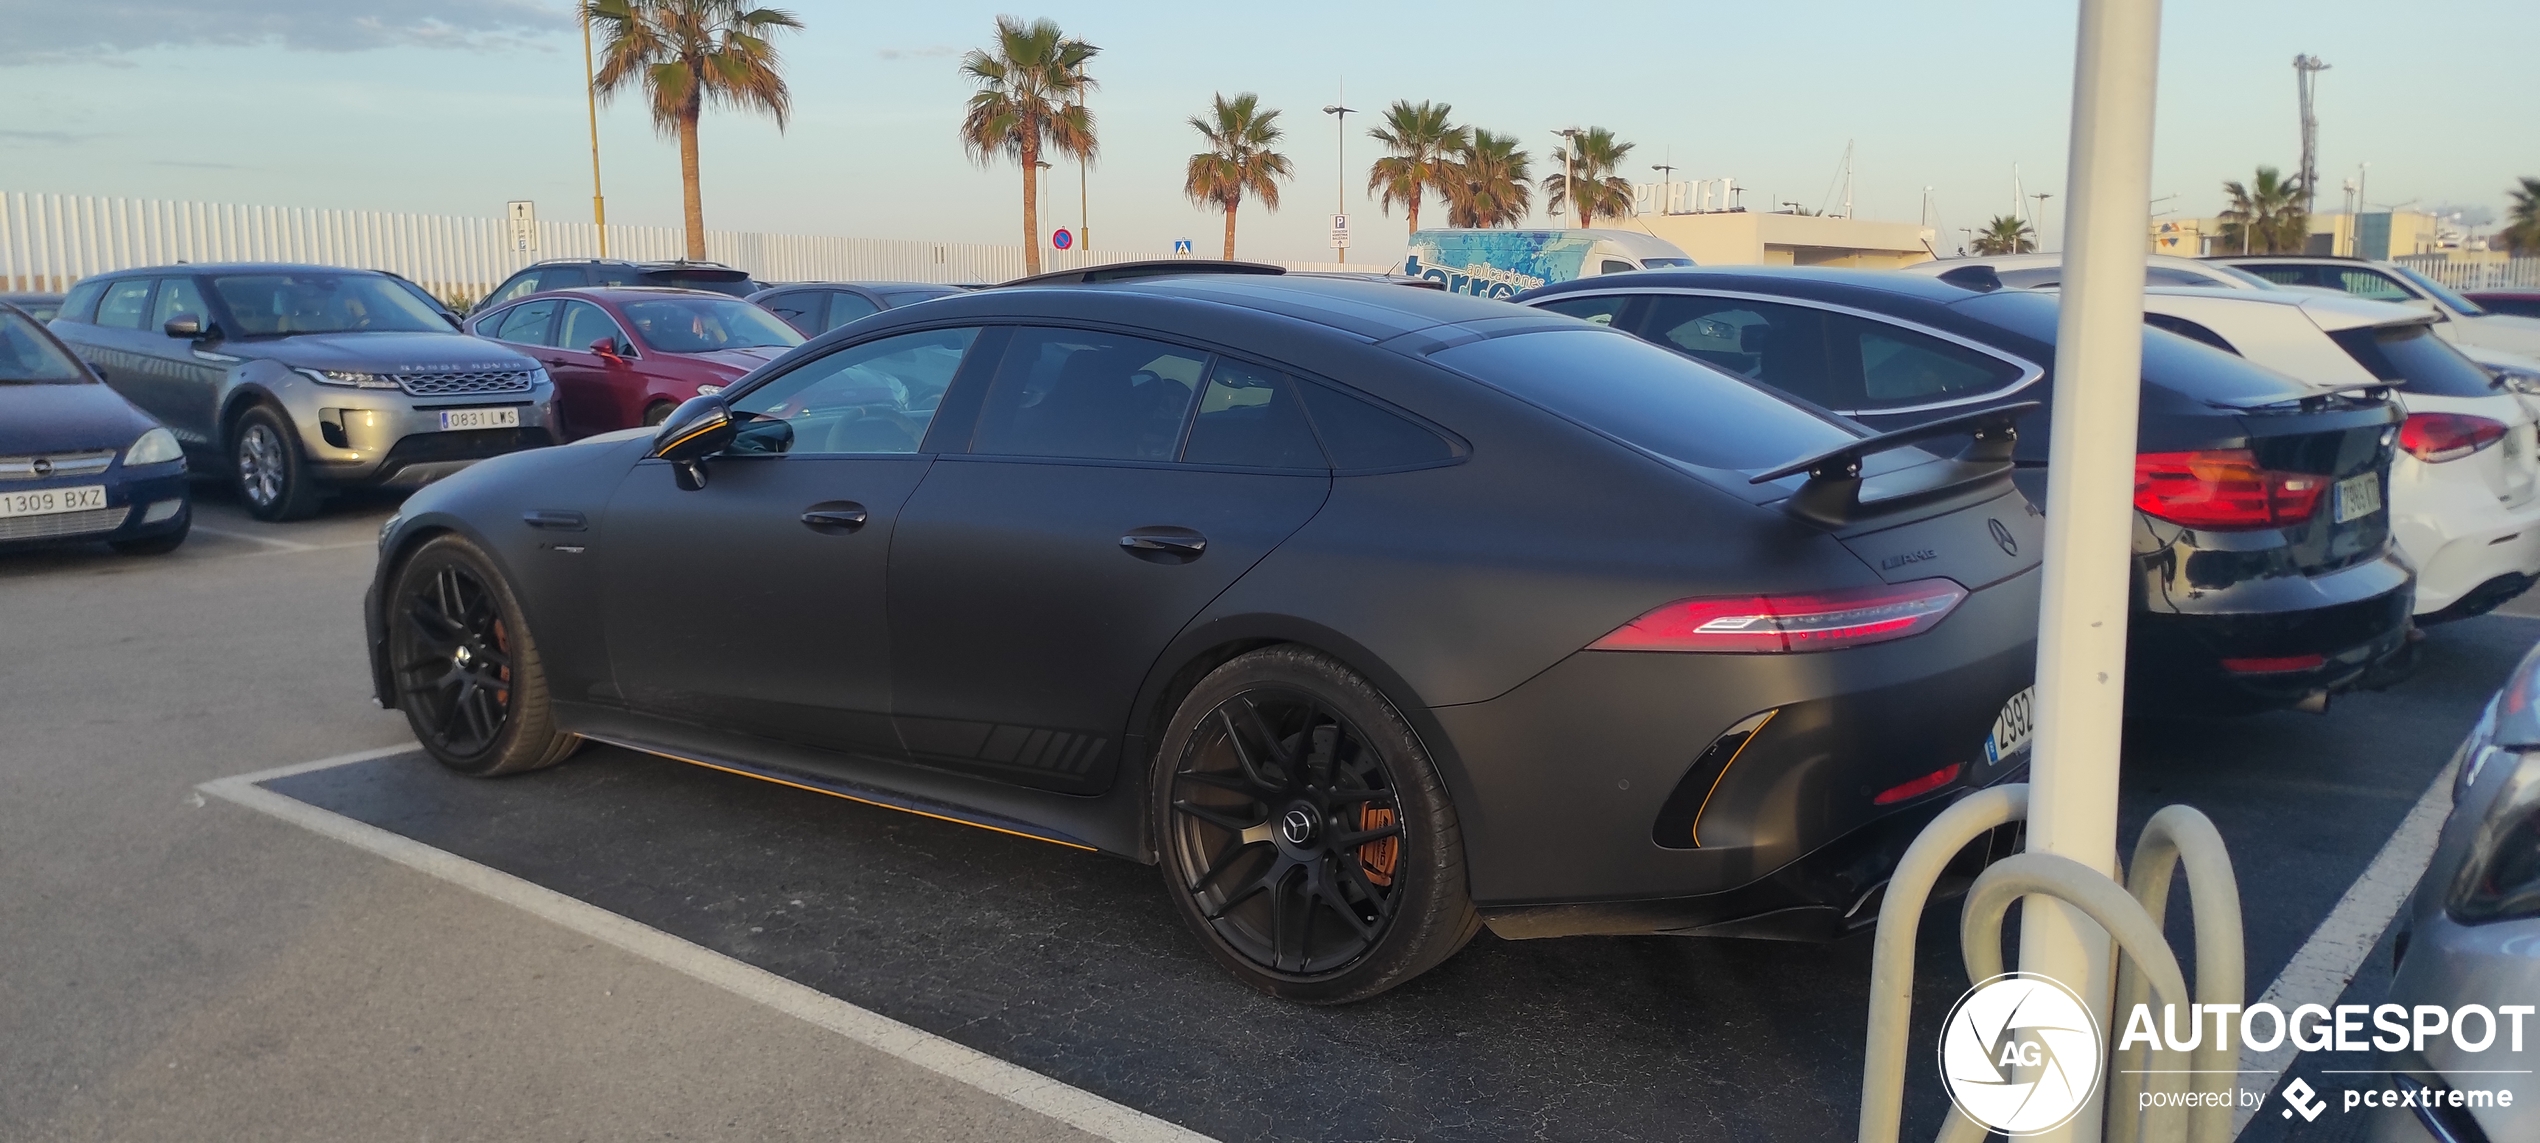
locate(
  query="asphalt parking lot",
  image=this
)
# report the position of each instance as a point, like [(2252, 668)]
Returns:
[(182, 967)]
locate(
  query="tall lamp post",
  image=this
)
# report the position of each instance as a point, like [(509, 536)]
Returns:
[(2039, 216), (1569, 175), (591, 103), (1340, 127), (1666, 181)]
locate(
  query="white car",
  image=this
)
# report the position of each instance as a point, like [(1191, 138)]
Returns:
[(2465, 481), (2458, 319), (2046, 271)]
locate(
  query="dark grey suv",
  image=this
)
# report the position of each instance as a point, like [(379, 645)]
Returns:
[(292, 379)]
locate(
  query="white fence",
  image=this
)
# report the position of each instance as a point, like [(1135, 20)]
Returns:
[(2507, 274), (48, 241)]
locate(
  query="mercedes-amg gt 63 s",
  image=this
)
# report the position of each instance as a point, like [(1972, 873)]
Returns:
[(1370, 615)]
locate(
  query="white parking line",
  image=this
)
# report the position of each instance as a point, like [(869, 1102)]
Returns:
[(1073, 1106), (2326, 963), (284, 545)]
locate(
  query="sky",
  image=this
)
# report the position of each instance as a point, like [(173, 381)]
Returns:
[(457, 106)]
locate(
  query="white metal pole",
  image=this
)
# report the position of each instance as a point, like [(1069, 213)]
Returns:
[(2089, 493)]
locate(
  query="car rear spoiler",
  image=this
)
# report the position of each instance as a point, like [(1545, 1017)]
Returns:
[(1832, 495)]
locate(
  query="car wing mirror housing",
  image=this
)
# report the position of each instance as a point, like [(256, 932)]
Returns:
[(189, 326), (697, 429)]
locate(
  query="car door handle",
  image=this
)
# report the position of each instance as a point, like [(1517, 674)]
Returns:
[(1179, 544), (837, 516), (554, 519)]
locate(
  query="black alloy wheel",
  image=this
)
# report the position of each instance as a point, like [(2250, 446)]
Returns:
[(467, 673), (1303, 833)]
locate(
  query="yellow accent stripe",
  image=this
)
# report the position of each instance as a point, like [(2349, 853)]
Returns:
[(1722, 776), (693, 434), (855, 799)]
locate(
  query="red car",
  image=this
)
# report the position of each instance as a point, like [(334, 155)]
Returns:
[(624, 356), (2518, 302)]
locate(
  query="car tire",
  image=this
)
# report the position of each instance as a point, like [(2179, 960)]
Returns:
[(1303, 833), (160, 544), (272, 478), (466, 668), (656, 413)]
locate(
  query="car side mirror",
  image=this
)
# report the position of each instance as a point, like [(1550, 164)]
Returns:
[(188, 326), (606, 347), (699, 428)]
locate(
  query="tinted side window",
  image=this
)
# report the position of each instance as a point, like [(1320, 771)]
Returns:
[(2033, 278), (845, 307), (585, 324), (2371, 284), (1899, 367), (527, 323), (799, 309), (1603, 309), (1080, 393), (2190, 330), (177, 296), (2416, 359), (2283, 275), (560, 277), (2170, 276), (877, 396), (1611, 266), (1359, 436), (1251, 416), (81, 303), (127, 303), (1781, 346), (519, 287)]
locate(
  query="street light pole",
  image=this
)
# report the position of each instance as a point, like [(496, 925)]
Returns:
[(1340, 183), (1569, 172), (1666, 183), (2081, 636), (2039, 216), (591, 103)]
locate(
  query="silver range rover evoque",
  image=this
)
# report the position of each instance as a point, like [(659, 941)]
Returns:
[(294, 379)]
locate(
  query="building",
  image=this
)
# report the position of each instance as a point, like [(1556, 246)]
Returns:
[(2377, 235), (1747, 238)]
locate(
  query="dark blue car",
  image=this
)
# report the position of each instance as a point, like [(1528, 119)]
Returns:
[(79, 463)]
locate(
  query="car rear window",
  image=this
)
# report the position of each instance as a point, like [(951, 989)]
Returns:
[(732, 282), (1638, 393), (27, 357), (2419, 362)]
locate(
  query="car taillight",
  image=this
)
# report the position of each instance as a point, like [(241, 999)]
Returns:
[(2438, 437), (2222, 489), (1767, 624)]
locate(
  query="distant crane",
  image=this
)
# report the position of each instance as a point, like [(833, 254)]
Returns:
[(2305, 71)]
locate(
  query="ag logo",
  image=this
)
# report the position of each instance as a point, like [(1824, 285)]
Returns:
[(2020, 1053)]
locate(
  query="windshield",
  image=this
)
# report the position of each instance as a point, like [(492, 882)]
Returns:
[(2457, 303), (703, 325), (27, 357), (2414, 358), (322, 301), (1636, 392)]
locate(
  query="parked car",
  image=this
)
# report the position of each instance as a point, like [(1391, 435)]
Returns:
[(626, 356), (2469, 941), (2511, 303), (2046, 271), (1496, 263), (1371, 615), (78, 462), (2264, 572), (295, 380), (567, 273), (39, 306), (2457, 318), (815, 308), (2465, 481)]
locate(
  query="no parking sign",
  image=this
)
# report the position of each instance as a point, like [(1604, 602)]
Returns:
[(1060, 239)]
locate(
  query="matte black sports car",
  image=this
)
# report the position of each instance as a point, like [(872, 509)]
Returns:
[(1371, 615), (2265, 576)]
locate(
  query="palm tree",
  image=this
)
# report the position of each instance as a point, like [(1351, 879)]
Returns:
[(2522, 220), (1487, 182), (686, 54), (1238, 158), (1598, 189), (1422, 142), (1031, 96), (2006, 234), (2265, 217)]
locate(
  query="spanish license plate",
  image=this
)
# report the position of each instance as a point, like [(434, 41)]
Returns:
[(2358, 496), (52, 501), (2012, 727), (479, 419)]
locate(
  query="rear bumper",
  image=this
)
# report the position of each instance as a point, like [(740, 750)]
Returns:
[(2352, 620), (2462, 541), (1591, 801)]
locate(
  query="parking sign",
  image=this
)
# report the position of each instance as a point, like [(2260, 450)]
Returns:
[(524, 221), (1340, 232)]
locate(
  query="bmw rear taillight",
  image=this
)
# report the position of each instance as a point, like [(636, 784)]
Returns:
[(2438, 437), (2222, 489), (1769, 624)]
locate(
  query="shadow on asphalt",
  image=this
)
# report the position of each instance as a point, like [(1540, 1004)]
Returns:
[(1072, 965)]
